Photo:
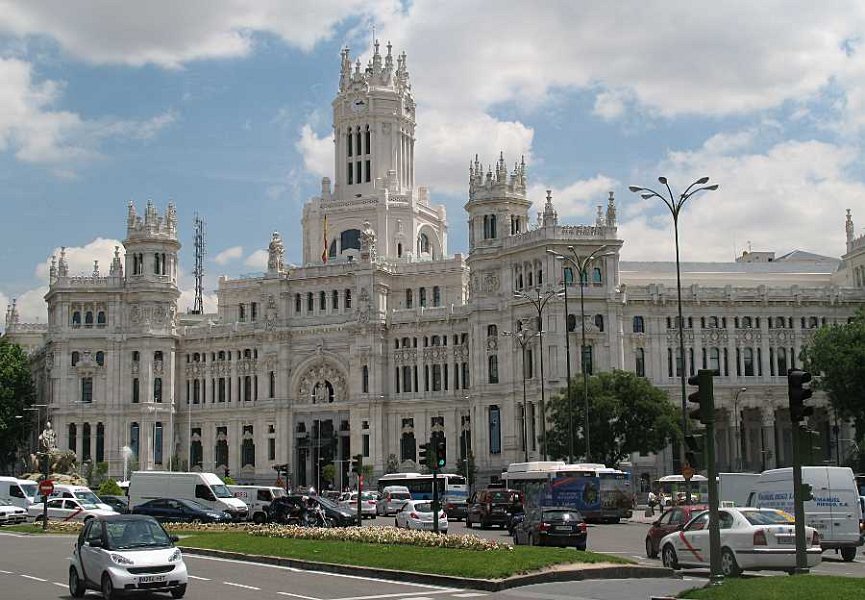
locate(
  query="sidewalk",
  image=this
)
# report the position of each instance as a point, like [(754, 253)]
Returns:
[(639, 515)]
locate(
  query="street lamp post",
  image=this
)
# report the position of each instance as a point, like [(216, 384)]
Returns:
[(581, 263), (738, 461), (523, 341), (539, 301), (675, 205)]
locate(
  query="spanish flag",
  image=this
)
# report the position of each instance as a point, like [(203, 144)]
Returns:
[(324, 241)]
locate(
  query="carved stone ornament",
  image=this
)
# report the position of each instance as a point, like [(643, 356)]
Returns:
[(322, 384), (491, 282), (714, 337)]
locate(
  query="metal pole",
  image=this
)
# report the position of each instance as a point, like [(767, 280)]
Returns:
[(543, 400), (712, 471), (681, 339), (583, 278), (435, 498), (568, 370), (798, 505), (525, 406)]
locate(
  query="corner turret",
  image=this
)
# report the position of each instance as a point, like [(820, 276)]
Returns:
[(496, 198)]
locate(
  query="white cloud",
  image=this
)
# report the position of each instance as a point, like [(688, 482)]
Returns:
[(168, 34), (577, 199), (778, 200), (187, 301), (317, 152), (80, 258), (37, 133), (257, 260), (228, 255)]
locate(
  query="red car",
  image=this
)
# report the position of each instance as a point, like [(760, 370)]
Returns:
[(672, 519)]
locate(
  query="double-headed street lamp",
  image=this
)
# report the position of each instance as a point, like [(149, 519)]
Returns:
[(523, 338), (675, 205), (539, 301), (581, 264)]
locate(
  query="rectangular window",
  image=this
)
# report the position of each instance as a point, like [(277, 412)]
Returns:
[(241, 313), (136, 398), (493, 368), (357, 143), (465, 375), (366, 172), (310, 303), (271, 449), (396, 378), (157, 443), (357, 172), (253, 311), (350, 169), (365, 441), (495, 428), (271, 388), (640, 368), (157, 389), (422, 296), (322, 301), (436, 378), (334, 304), (221, 392), (347, 300), (367, 140), (87, 389)]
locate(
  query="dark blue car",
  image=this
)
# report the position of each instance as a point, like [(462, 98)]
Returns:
[(176, 510)]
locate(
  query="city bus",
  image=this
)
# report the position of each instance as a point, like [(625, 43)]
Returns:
[(452, 487), (673, 490), (599, 492)]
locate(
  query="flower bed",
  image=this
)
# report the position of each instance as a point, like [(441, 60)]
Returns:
[(367, 535)]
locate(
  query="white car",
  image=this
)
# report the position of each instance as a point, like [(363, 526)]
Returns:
[(368, 501), (9, 513), (418, 514), (751, 539), (126, 553), (68, 509)]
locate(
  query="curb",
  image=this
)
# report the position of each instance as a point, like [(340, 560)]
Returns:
[(487, 585)]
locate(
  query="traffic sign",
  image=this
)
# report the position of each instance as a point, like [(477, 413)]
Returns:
[(688, 472), (46, 487)]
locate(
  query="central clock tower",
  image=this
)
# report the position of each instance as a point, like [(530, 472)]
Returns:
[(374, 126)]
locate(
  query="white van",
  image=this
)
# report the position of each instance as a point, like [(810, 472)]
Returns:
[(21, 491), (81, 493), (257, 499), (204, 488), (834, 512)]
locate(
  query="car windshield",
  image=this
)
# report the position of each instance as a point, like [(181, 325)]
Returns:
[(278, 492), (400, 496), (29, 489), (220, 491), (501, 496), (328, 502), (368, 496), (767, 517), (423, 507), (195, 505), (124, 535), (88, 497), (561, 515), (88, 506), (6, 501)]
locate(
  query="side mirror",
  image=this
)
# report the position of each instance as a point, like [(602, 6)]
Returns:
[(680, 527), (656, 523), (95, 543), (174, 539)]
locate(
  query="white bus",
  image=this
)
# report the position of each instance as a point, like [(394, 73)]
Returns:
[(599, 492), (673, 490), (452, 487)]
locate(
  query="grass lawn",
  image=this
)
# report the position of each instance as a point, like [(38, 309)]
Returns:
[(491, 564), (799, 587), (24, 528)]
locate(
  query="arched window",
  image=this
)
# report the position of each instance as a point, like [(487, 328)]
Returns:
[(492, 331), (436, 341), (297, 303), (157, 389), (85, 441), (134, 438), (599, 322), (334, 300), (408, 298), (366, 140), (437, 296), (75, 358), (76, 319), (713, 322), (639, 325), (529, 366), (406, 342), (495, 430), (779, 323), (422, 296), (640, 362), (365, 379), (100, 358), (423, 246), (493, 228), (568, 275), (247, 447), (782, 361), (72, 435), (597, 278), (349, 240), (157, 442), (715, 360), (157, 356), (572, 322), (247, 353), (100, 442), (88, 319), (322, 301), (746, 323), (399, 250), (100, 318), (346, 299), (748, 361)]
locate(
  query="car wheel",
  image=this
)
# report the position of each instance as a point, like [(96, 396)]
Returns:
[(179, 591), (848, 553), (108, 591), (468, 523), (581, 547), (729, 566), (76, 586), (668, 557), (650, 549), (259, 519)]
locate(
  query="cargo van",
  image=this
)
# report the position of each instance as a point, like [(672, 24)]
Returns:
[(257, 499), (834, 511), (21, 491), (204, 488), (82, 493)]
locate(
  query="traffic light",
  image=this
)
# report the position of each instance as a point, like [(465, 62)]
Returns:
[(423, 456), (694, 451), (441, 454), (703, 397), (357, 463), (807, 492), (798, 393), (227, 473)]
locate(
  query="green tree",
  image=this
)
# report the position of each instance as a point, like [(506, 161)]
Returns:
[(109, 487), (837, 354), (626, 414), (16, 393), (328, 473)]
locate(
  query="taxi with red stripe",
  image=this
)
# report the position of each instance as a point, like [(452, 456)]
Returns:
[(68, 509), (752, 539)]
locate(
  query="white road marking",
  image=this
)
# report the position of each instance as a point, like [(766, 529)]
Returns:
[(198, 578), (469, 595), (296, 596), (400, 595), (63, 585), (240, 585), (5, 572), (34, 578)]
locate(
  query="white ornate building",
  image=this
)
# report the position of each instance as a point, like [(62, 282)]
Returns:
[(383, 339)]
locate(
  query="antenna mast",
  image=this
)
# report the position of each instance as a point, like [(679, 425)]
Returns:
[(198, 272)]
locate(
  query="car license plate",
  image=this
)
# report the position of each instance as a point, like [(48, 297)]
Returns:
[(563, 528), (151, 578), (426, 525)]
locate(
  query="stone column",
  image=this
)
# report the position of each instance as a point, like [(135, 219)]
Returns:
[(769, 447)]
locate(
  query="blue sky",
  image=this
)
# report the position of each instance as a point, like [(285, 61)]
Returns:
[(224, 107)]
